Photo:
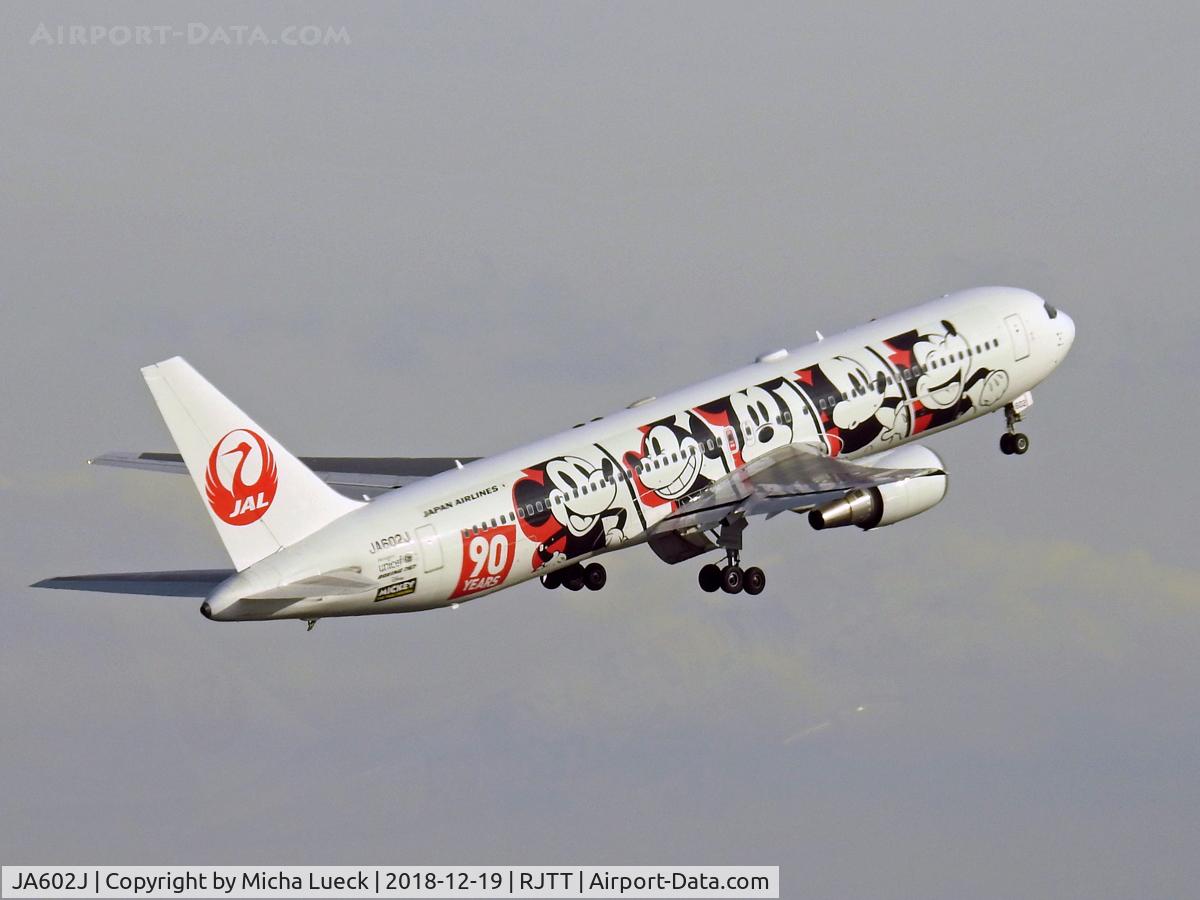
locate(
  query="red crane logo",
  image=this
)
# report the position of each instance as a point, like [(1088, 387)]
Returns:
[(231, 498)]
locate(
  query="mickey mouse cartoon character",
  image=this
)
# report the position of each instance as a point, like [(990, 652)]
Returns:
[(761, 411), (678, 456), (574, 508)]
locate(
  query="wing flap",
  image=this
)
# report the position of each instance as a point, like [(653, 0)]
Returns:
[(180, 583)]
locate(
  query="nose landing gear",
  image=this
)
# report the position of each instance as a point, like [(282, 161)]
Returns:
[(1013, 441)]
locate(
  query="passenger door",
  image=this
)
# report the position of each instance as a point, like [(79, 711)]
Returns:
[(1020, 338), (431, 548)]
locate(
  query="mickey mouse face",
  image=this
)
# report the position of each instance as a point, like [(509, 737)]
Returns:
[(851, 380), (940, 386), (761, 411), (677, 459), (577, 494)]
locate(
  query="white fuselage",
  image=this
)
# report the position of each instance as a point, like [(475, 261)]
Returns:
[(601, 486)]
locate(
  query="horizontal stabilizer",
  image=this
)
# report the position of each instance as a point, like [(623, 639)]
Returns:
[(353, 476), (181, 583)]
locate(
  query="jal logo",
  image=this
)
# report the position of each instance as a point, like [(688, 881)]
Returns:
[(241, 478)]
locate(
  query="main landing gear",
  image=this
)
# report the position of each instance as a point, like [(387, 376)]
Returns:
[(575, 578), (1013, 441), (732, 578)]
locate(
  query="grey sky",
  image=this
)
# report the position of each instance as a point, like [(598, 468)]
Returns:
[(476, 224)]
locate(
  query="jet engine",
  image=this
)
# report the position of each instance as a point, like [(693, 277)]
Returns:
[(875, 507)]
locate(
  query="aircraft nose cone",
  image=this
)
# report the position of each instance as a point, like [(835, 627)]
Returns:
[(1066, 330)]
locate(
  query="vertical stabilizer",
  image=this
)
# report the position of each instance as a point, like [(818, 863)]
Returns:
[(259, 496)]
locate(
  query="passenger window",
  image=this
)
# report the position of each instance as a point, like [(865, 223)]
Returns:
[(787, 416), (709, 444)]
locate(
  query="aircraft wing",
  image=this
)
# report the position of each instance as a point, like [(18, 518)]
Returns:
[(182, 583), (794, 477), (354, 476)]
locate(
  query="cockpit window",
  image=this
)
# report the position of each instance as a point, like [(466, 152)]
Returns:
[(1050, 310)]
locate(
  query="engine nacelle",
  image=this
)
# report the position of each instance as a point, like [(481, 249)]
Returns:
[(875, 507)]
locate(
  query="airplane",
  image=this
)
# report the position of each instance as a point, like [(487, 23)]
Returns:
[(829, 430)]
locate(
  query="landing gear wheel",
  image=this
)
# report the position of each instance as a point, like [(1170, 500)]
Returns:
[(594, 576), (552, 581), (1006, 443), (756, 580), (572, 579), (732, 579), (710, 578), (1020, 444)]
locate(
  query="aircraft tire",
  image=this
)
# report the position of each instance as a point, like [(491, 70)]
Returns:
[(594, 576), (710, 578), (756, 580), (1006, 443), (732, 579), (1020, 444)]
